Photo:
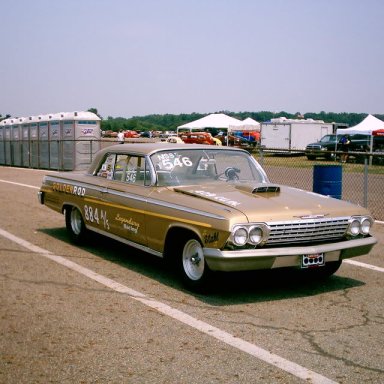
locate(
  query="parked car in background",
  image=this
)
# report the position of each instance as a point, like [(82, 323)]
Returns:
[(131, 134), (252, 137), (197, 138), (329, 145), (147, 134), (108, 133), (165, 135), (232, 140), (206, 208), (174, 140), (325, 148)]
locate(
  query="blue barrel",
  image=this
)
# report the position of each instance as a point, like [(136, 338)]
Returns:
[(327, 180)]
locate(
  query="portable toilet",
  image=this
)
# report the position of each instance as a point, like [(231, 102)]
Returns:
[(68, 141), (81, 139), (87, 136), (16, 141), (25, 158), (7, 141), (43, 131), (34, 141), (2, 142), (55, 144)]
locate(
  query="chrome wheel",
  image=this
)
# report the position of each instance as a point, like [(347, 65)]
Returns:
[(193, 260), (76, 222)]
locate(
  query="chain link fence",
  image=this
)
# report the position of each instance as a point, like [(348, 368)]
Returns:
[(362, 175)]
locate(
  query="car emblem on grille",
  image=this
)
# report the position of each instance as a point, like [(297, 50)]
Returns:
[(312, 216)]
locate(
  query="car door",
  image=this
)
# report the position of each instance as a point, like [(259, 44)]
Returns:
[(125, 196)]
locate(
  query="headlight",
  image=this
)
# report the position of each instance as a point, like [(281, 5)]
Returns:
[(359, 225), (240, 236), (255, 235), (354, 227), (366, 224)]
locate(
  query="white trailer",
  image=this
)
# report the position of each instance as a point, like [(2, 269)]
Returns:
[(291, 134)]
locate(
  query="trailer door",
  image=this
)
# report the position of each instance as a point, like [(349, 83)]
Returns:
[(276, 136)]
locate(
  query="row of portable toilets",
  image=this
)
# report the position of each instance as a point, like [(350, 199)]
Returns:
[(60, 141)]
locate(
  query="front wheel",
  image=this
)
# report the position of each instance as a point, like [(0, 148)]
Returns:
[(193, 268), (75, 225)]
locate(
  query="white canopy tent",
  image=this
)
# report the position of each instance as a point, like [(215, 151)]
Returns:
[(366, 127), (214, 120), (249, 124), (369, 125)]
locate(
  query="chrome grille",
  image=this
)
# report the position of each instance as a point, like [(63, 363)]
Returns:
[(307, 230), (314, 146)]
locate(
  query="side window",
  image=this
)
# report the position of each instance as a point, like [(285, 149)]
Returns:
[(130, 169), (136, 171), (107, 167), (125, 168), (120, 167)]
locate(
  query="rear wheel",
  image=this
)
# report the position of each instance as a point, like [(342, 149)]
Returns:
[(75, 224)]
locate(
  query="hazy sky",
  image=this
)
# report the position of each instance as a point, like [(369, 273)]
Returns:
[(128, 57)]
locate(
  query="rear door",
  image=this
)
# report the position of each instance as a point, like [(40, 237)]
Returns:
[(124, 200)]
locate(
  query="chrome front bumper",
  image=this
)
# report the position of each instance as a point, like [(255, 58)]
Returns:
[(253, 259)]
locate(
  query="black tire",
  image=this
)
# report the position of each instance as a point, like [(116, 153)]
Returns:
[(75, 225), (192, 268), (310, 157)]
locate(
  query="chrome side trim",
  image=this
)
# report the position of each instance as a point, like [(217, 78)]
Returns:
[(125, 241), (106, 189)]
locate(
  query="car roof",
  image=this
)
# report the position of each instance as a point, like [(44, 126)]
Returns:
[(148, 148), (144, 149)]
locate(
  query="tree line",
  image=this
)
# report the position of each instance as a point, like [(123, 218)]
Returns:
[(171, 121), (168, 122)]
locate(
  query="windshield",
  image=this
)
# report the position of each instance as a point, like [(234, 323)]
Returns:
[(195, 166), (328, 138)]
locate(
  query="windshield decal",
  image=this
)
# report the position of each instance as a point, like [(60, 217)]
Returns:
[(168, 161)]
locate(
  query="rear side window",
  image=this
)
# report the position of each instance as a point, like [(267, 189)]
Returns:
[(107, 167), (125, 168)]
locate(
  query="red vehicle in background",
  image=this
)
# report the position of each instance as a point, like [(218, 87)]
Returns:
[(197, 138), (131, 134)]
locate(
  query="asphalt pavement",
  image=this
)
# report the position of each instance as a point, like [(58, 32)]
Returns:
[(106, 313)]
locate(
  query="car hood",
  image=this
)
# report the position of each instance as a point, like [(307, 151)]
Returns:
[(266, 202)]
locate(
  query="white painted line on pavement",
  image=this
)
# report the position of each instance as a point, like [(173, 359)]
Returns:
[(249, 348), (20, 184), (364, 265)]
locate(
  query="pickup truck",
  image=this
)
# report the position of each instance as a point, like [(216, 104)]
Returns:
[(328, 146)]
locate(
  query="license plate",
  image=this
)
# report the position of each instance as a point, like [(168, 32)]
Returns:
[(315, 260)]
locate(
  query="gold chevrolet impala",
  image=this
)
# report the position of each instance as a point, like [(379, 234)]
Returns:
[(206, 208)]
